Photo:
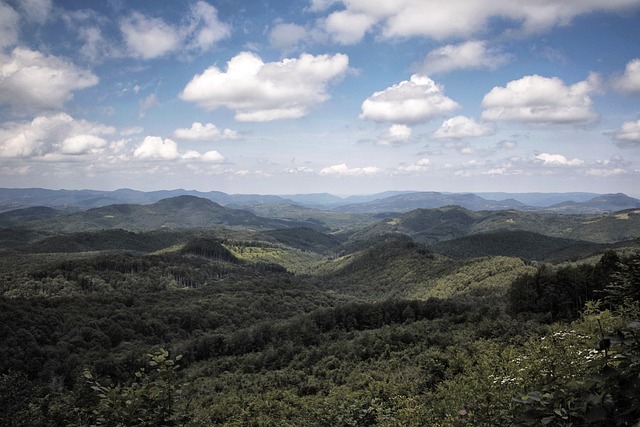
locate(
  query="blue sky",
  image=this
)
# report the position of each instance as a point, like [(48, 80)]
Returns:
[(339, 96)]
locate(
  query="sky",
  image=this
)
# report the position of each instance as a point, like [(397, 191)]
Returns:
[(308, 96)]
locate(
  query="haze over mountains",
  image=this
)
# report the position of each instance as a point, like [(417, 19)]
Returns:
[(392, 201), (550, 226)]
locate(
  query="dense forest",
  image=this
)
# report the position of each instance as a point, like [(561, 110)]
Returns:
[(430, 318)]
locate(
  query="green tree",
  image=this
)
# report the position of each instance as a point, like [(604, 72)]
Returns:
[(148, 400)]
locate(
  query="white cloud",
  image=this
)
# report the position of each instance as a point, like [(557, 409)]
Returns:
[(82, 144), (538, 99), (496, 171), (347, 27), (410, 101), (149, 37), (557, 160), (419, 166), (300, 170), (95, 46), (605, 172), (9, 26), (155, 148), (630, 80), (31, 81), (461, 18), (396, 134), (191, 155), (204, 29), (206, 132), (343, 170), (212, 157), (471, 54), (629, 132), (460, 127), (37, 10), (286, 36), (134, 130), (260, 91), (56, 134)]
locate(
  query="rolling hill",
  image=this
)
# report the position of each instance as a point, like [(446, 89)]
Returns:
[(433, 225), (521, 244), (172, 213), (599, 204), (305, 239), (103, 240), (387, 201), (18, 217), (428, 200)]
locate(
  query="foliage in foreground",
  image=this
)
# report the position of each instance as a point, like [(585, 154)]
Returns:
[(266, 348)]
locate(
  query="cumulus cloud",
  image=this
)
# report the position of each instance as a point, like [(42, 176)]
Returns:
[(410, 101), (630, 80), (31, 81), (454, 19), (286, 36), (82, 144), (419, 166), (206, 132), (148, 37), (538, 99), (212, 157), (557, 160), (471, 54), (9, 26), (629, 133), (460, 127), (344, 170), (396, 134), (260, 92), (155, 148), (55, 134), (346, 27)]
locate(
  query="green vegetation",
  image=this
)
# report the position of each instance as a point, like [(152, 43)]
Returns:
[(292, 326)]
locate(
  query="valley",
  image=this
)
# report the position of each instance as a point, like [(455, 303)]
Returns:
[(409, 309)]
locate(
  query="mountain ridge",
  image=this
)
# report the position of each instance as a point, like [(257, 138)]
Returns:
[(388, 201), (173, 213)]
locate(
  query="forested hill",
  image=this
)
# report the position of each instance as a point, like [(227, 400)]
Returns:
[(184, 312), (452, 222), (175, 212)]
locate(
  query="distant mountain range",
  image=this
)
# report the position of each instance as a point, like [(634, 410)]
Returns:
[(386, 202), (171, 213)]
